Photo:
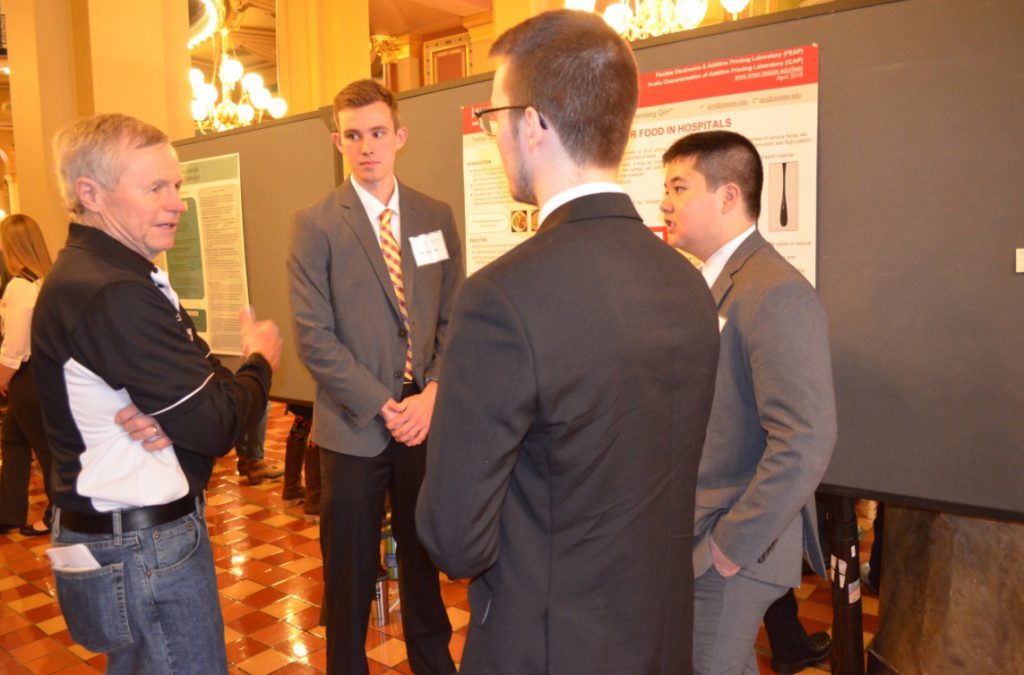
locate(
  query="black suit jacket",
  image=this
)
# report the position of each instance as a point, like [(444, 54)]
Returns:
[(563, 453)]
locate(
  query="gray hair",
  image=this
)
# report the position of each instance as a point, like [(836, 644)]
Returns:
[(93, 147)]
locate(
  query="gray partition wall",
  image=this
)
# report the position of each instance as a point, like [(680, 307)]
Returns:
[(920, 210), (284, 165)]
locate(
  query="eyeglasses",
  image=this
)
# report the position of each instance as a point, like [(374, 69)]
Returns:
[(489, 123)]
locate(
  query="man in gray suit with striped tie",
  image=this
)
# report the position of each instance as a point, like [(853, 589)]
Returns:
[(372, 272), (773, 421)]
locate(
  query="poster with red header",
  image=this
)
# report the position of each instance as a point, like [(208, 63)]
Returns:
[(770, 97)]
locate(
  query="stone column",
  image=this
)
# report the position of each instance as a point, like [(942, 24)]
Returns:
[(73, 58), (481, 37), (408, 61), (139, 62), (952, 594), (322, 45), (508, 13)]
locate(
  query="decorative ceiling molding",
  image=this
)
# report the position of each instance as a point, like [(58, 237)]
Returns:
[(268, 6), (261, 42), (253, 34), (397, 17)]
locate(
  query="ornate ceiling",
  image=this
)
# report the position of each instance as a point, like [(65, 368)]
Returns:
[(253, 37)]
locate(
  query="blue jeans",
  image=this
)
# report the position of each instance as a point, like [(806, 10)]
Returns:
[(152, 606)]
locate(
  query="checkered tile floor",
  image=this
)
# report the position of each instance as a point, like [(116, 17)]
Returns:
[(270, 579)]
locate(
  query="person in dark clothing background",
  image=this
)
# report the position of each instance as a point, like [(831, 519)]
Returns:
[(24, 252)]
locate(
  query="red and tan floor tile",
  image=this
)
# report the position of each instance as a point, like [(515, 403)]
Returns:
[(270, 580)]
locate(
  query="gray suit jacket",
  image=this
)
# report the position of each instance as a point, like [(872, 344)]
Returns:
[(773, 421), (349, 331)]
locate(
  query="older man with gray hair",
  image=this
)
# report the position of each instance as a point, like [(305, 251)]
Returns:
[(132, 558)]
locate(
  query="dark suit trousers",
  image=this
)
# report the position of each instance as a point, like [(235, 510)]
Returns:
[(23, 432), (786, 635), (351, 509)]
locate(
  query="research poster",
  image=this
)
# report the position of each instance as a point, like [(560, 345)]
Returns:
[(207, 264), (770, 97)]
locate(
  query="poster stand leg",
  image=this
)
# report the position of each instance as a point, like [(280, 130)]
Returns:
[(844, 572)]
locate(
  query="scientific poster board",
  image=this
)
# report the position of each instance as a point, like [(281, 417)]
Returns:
[(770, 97), (207, 267), (283, 165), (918, 220)]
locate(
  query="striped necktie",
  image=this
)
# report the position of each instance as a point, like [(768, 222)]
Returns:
[(393, 261)]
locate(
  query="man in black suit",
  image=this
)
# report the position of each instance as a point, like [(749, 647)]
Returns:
[(563, 451)]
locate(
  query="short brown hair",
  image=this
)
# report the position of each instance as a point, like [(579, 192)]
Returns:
[(364, 92), (23, 246), (579, 75), (723, 157), (93, 147)]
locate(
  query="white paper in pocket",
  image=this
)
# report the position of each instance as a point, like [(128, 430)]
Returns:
[(73, 557)]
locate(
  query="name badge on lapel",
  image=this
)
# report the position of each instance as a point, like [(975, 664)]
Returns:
[(429, 248)]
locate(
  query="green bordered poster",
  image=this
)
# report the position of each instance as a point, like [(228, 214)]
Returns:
[(207, 264)]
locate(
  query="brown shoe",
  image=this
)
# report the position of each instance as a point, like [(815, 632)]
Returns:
[(291, 496), (257, 471)]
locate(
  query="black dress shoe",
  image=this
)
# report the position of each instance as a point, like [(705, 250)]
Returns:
[(293, 494), (820, 646), (31, 531)]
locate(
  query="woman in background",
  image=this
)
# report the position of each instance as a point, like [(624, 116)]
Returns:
[(27, 260)]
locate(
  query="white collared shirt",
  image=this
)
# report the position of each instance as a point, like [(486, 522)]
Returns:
[(715, 263), (374, 208), (16, 317), (575, 192)]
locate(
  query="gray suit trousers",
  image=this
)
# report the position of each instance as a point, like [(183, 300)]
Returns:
[(727, 613)]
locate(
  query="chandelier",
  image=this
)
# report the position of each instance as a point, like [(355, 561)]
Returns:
[(642, 19), (241, 100)]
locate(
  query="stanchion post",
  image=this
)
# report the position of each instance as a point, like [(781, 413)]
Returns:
[(844, 573)]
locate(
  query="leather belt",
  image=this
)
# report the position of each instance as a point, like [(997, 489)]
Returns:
[(131, 519)]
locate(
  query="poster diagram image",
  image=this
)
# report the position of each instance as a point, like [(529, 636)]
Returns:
[(519, 220), (783, 179)]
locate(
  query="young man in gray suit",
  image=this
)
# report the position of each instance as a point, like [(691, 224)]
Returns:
[(373, 269), (773, 423), (564, 447)]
